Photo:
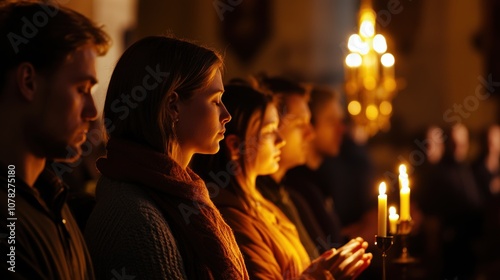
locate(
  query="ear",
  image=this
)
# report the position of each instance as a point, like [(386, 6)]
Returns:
[(233, 144), (173, 104), (26, 80)]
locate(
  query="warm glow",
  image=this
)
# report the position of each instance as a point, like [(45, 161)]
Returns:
[(364, 48), (369, 82), (379, 44), (367, 29), (402, 169), (387, 60), (371, 112), (392, 210), (382, 188), (353, 60), (354, 108), (354, 44), (385, 108)]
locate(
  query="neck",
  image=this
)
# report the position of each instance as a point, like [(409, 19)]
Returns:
[(278, 175), (182, 157), (27, 166), (314, 159), (248, 184)]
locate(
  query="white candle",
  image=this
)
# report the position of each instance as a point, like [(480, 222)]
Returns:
[(382, 210), (393, 220)]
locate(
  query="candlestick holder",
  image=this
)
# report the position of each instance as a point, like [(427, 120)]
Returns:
[(383, 243), (404, 230)]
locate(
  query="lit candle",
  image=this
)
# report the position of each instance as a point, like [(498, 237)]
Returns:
[(393, 220), (382, 210), (404, 193), (403, 176)]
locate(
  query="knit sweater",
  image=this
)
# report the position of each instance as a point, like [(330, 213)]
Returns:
[(128, 236)]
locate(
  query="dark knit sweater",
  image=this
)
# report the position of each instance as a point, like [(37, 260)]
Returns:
[(128, 235)]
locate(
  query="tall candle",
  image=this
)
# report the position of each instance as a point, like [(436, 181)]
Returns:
[(403, 176), (382, 210), (404, 194), (393, 220)]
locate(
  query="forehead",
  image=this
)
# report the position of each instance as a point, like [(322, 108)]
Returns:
[(296, 106), (215, 84), (331, 108), (257, 120), (79, 64)]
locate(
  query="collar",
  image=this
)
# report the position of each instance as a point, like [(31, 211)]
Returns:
[(48, 192)]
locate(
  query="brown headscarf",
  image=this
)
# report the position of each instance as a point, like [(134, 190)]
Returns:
[(207, 244)]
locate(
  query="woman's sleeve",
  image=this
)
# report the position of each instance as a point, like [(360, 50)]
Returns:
[(260, 261)]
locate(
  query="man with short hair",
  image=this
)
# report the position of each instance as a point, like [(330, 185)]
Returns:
[(47, 70)]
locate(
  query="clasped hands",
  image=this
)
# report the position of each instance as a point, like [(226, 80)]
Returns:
[(346, 262)]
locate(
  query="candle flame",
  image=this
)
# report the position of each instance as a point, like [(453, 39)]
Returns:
[(382, 188), (392, 210), (402, 169)]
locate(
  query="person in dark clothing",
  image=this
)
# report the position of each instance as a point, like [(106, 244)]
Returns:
[(351, 178), (486, 170), (461, 216), (307, 180), (47, 71)]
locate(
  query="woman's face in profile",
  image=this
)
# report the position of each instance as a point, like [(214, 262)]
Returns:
[(202, 119), (267, 140)]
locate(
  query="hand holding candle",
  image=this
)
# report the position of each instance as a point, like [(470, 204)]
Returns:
[(382, 210), (393, 220)]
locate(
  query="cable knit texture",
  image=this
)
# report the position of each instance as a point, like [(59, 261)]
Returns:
[(128, 230)]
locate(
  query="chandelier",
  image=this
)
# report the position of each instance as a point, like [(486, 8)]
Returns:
[(370, 84)]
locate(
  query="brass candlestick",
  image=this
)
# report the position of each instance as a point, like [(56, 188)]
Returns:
[(383, 243)]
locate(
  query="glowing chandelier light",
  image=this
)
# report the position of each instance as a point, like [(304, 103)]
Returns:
[(370, 84)]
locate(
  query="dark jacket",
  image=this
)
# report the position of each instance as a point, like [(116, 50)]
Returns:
[(46, 239)]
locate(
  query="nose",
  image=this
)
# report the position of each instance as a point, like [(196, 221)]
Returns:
[(225, 116), (89, 112), (280, 142)]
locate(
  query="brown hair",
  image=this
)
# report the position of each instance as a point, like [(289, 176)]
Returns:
[(144, 78), (281, 88), (43, 35)]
